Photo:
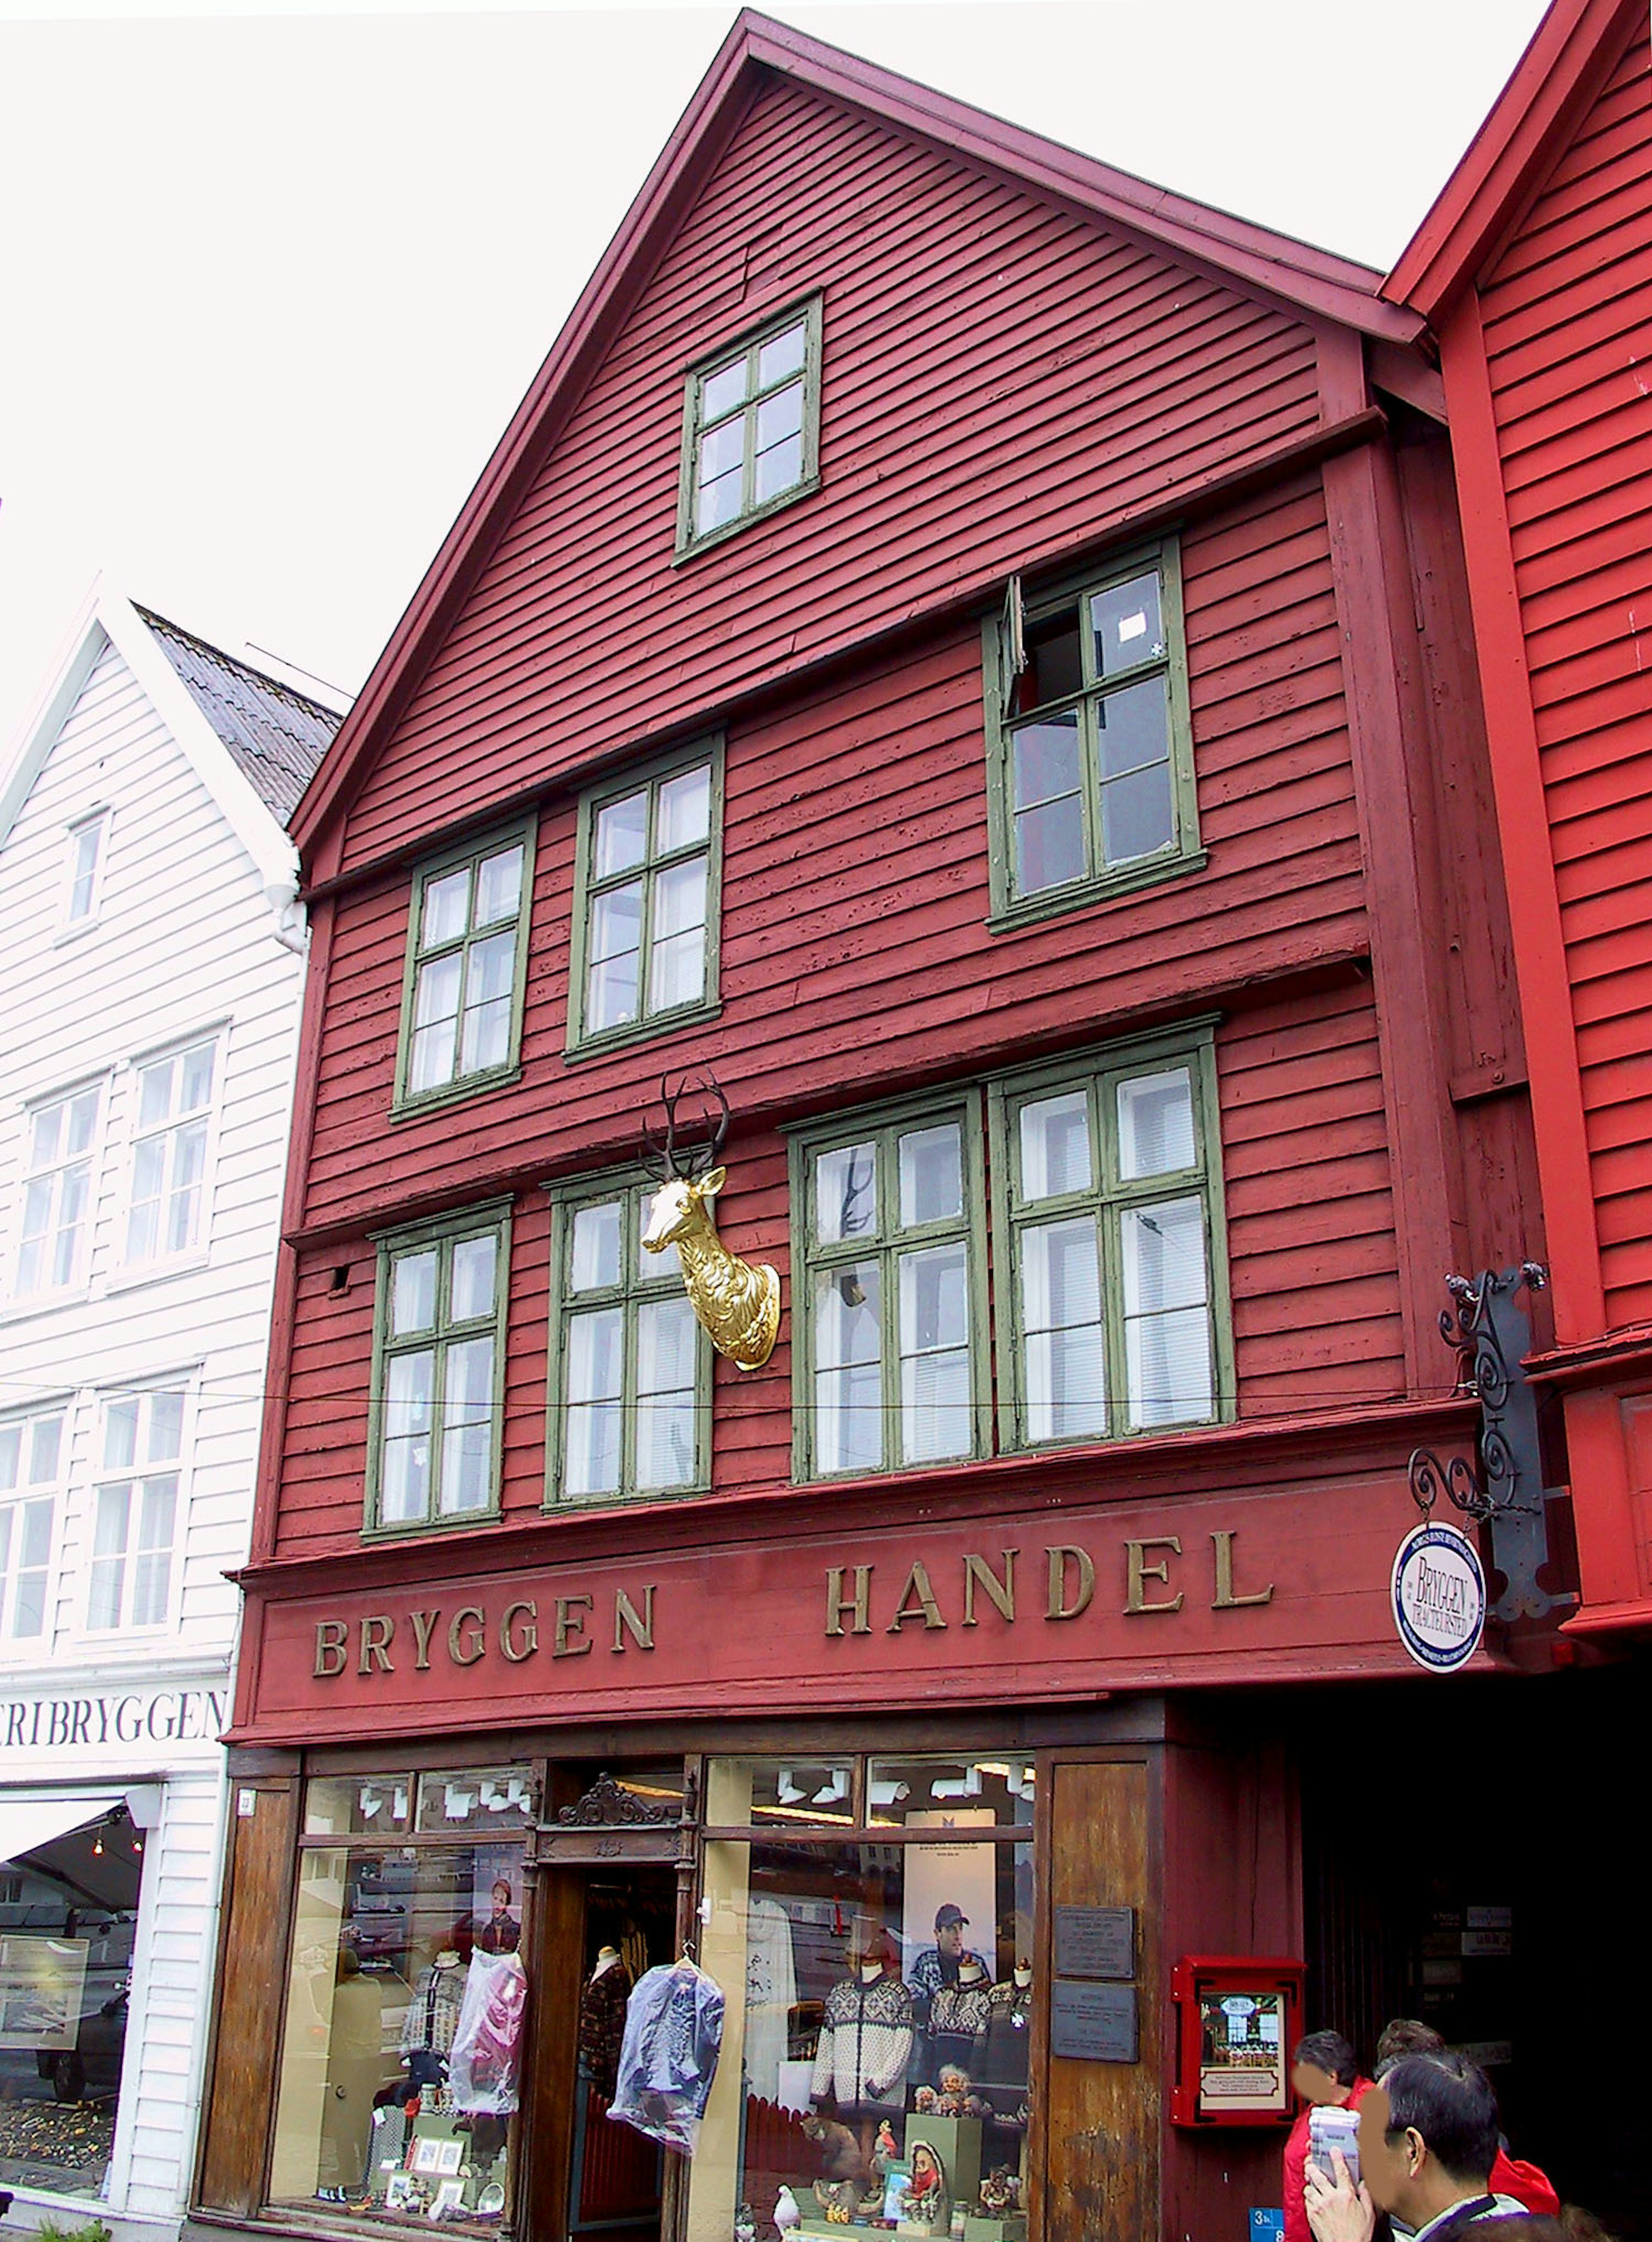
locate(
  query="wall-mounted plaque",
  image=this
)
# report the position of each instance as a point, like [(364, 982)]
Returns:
[(1095, 1942), (1095, 2023)]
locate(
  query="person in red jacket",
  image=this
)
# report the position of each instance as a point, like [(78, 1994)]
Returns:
[(1323, 2072), (1510, 2175)]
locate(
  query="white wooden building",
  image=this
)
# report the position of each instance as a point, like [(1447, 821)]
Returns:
[(151, 966)]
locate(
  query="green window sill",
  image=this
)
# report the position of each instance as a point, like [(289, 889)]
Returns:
[(713, 538), (456, 1093), (405, 1529), (641, 1031), (1059, 902)]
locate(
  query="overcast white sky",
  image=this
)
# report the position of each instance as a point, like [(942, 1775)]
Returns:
[(272, 280)]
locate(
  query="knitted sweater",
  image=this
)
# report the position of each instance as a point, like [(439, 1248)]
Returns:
[(865, 2045)]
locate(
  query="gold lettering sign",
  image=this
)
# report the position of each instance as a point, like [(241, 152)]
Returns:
[(1084, 1587), (1138, 1572), (860, 1603), (1224, 1599), (517, 1635), (467, 1635), (925, 1595)]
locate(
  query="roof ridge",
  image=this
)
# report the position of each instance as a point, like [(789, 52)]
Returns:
[(1235, 230)]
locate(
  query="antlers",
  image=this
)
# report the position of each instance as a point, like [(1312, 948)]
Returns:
[(661, 1158)]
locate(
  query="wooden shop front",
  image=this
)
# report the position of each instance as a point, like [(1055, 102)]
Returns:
[(836, 1771)]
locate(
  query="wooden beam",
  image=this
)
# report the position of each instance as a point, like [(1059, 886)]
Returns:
[(1386, 737), (1523, 819)]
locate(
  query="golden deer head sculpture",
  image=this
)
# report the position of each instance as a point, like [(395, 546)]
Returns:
[(738, 1302)]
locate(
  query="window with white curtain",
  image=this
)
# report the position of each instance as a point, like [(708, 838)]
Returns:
[(171, 1123), (33, 1454), (1109, 1246), (631, 1376), (136, 1501), (438, 1371), (54, 1236), (888, 1312)]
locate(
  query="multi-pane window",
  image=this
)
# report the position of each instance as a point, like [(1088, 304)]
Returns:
[(32, 1463), (54, 1233), (1107, 1241), (84, 870), (631, 1385), (136, 1511), (1092, 773), (438, 1370), (467, 956), (750, 427), (886, 1307), (645, 906), (173, 1113)]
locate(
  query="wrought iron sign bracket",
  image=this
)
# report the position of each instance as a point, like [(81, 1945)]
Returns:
[(1504, 1490)]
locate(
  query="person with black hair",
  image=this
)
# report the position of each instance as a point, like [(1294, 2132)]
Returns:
[(1427, 2142), (1325, 2074), (1531, 2188)]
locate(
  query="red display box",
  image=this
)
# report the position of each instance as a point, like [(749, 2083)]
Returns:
[(1237, 2020)]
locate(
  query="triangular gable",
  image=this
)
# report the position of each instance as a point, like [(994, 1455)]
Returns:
[(107, 619), (1572, 53), (1314, 285)]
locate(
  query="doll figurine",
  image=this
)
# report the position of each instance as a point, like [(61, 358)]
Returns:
[(953, 2096), (923, 2199)]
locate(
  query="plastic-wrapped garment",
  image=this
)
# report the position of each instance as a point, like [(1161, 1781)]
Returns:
[(669, 2058), (485, 2060)]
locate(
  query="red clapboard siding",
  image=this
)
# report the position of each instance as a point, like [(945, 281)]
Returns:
[(1565, 312), (854, 954), (1000, 378), (1310, 1240)]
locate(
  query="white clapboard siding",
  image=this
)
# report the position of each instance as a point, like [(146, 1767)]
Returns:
[(187, 941)]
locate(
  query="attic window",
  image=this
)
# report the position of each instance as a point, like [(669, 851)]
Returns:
[(83, 868), (751, 432)]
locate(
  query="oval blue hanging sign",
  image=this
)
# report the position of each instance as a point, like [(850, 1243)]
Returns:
[(1439, 1596)]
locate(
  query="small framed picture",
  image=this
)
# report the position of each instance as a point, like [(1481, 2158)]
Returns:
[(450, 2197), (453, 2155), (428, 2153), (398, 2191), (897, 2173)]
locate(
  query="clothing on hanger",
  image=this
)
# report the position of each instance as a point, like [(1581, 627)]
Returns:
[(602, 2032), (668, 2058), (771, 1987)]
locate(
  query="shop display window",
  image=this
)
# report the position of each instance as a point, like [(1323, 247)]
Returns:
[(406, 1998), (67, 1925), (879, 1996)]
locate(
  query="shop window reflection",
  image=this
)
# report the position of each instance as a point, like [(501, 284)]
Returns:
[(886, 2010), (401, 2051), (67, 1925)]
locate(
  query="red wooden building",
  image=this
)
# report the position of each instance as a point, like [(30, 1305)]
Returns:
[(971, 653), (1534, 269)]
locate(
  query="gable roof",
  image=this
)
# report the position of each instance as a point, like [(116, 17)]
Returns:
[(1313, 283), (240, 778), (276, 735), (1571, 54)]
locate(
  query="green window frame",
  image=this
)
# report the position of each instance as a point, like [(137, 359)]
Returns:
[(1091, 790), (630, 1367), (435, 1416), (646, 901), (751, 428), (889, 1357), (466, 970), (1108, 1219)]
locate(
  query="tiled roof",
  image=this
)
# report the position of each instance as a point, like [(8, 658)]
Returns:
[(277, 736)]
